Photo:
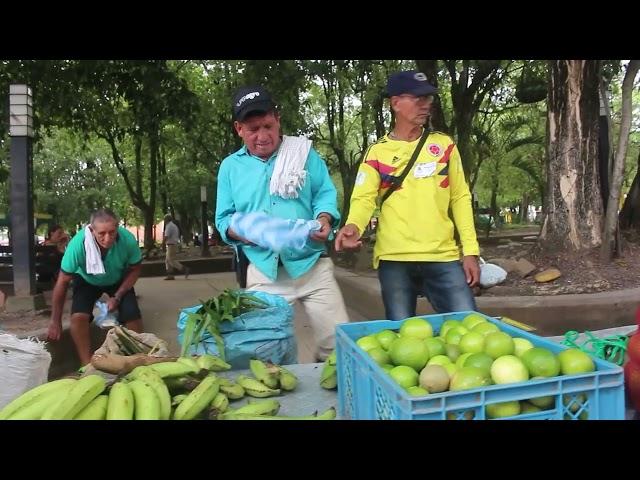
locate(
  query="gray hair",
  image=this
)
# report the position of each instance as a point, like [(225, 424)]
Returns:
[(103, 215)]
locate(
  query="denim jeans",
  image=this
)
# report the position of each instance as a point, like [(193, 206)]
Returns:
[(443, 283)]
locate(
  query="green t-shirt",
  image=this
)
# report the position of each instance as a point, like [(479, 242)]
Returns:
[(122, 254)]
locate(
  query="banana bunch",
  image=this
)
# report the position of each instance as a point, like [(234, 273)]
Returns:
[(269, 407), (185, 389), (33, 403), (255, 388), (198, 400), (329, 374), (231, 389), (273, 376)]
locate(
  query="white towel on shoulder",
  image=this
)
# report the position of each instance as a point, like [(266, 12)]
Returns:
[(288, 172), (92, 252)]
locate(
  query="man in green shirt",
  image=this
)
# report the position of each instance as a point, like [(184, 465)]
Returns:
[(102, 258)]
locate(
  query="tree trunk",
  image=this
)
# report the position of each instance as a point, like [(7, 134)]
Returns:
[(573, 219), (524, 208), (430, 69), (611, 218), (630, 213)]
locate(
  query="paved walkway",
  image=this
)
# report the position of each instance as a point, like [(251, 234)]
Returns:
[(161, 300)]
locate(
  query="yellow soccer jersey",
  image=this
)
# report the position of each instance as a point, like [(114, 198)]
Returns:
[(414, 223)]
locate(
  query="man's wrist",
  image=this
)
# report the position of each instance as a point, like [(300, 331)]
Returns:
[(326, 216)]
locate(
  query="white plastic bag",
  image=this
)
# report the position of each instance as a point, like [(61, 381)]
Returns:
[(491, 274), (24, 364), (102, 317)]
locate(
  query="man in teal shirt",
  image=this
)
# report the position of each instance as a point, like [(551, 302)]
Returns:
[(118, 251), (253, 180)]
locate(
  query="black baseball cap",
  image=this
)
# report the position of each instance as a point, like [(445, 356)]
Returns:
[(251, 99), (411, 82)]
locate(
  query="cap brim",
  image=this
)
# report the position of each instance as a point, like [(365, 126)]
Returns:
[(424, 90), (259, 107)]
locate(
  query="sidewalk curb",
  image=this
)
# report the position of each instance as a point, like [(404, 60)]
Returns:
[(550, 315)]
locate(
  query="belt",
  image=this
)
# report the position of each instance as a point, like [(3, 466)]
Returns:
[(322, 255)]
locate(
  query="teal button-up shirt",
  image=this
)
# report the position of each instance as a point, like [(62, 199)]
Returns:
[(243, 186)]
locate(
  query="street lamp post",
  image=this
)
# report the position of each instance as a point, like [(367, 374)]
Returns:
[(22, 228), (205, 227)]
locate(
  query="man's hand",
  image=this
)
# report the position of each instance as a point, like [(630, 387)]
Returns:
[(348, 238), (322, 234), (55, 331), (113, 303), (471, 269), (235, 236)]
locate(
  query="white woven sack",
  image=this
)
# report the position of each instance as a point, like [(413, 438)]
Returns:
[(24, 364)]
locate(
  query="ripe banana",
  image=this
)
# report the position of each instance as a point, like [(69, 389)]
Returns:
[(265, 373), (288, 381), (121, 403), (329, 377), (198, 399), (35, 395), (146, 402), (96, 410), (220, 403), (173, 369), (78, 397), (265, 407), (255, 388), (329, 414), (151, 378), (212, 363), (231, 389)]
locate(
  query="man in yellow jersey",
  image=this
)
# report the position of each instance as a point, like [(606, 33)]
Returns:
[(415, 251)]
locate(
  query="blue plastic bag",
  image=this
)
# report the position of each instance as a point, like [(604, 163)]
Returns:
[(266, 334), (102, 317)]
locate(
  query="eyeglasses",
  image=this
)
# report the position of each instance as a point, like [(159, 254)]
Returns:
[(428, 99)]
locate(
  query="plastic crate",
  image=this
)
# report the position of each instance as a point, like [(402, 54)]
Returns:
[(366, 392)]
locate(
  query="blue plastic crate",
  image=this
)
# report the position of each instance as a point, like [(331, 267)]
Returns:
[(366, 392)]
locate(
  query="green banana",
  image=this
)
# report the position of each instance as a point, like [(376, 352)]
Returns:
[(121, 403), (96, 410), (329, 377), (265, 407), (288, 381), (35, 395), (265, 373), (329, 414), (190, 362), (78, 397), (37, 408), (220, 403), (212, 363), (173, 369), (198, 399), (332, 359), (151, 378), (146, 402), (177, 399), (231, 389), (254, 388)]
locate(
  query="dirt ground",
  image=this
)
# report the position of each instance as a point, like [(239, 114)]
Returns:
[(580, 273)]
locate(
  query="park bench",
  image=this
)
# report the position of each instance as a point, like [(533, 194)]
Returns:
[(47, 263)]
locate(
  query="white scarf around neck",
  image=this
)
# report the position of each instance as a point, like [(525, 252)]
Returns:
[(289, 174), (92, 252)]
